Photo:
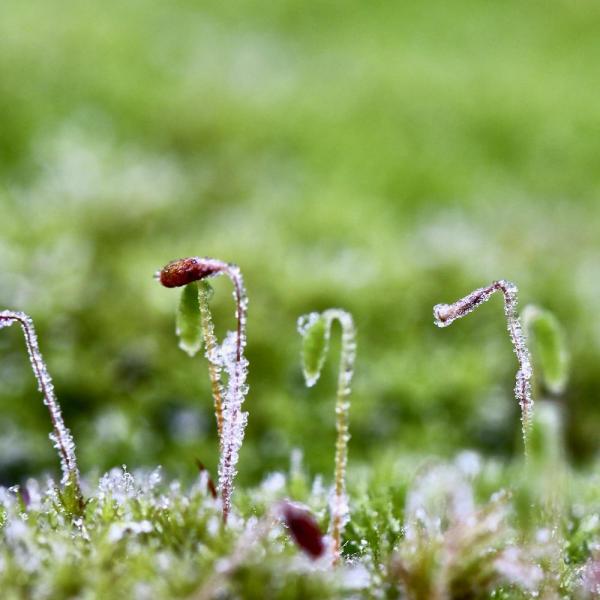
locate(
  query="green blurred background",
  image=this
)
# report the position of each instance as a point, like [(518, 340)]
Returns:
[(378, 156)]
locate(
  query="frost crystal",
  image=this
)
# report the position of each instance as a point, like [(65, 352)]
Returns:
[(118, 530), (510, 564), (591, 577), (231, 358), (119, 485), (440, 496), (445, 314), (61, 436), (234, 420)]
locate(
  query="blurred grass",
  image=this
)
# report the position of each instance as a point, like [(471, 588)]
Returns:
[(378, 157)]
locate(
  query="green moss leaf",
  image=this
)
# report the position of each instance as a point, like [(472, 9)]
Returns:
[(187, 325), (315, 330), (549, 347)]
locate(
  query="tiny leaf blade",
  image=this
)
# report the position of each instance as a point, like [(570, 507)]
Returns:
[(315, 331), (188, 326), (549, 347)]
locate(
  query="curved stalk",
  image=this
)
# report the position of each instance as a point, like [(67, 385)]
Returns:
[(229, 356), (315, 328), (445, 314), (214, 368), (61, 436)]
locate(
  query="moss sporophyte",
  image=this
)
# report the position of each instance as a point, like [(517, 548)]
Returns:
[(228, 356), (315, 329), (429, 539), (61, 436), (446, 314)]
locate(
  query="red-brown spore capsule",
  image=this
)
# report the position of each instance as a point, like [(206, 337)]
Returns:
[(210, 484), (185, 270), (303, 529)]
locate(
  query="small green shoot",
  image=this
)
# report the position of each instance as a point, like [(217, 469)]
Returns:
[(549, 347), (187, 325), (315, 329), (315, 346)]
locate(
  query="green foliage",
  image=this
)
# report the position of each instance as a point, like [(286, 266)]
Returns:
[(382, 158), (70, 499), (188, 326), (370, 156), (139, 536), (546, 437), (549, 347), (316, 331), (539, 493)]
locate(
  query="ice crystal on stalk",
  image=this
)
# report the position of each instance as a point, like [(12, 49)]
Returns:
[(445, 314), (61, 436), (234, 420), (591, 578), (119, 485)]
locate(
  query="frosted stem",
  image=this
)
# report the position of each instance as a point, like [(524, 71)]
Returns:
[(214, 367), (63, 441), (230, 357), (340, 510), (445, 314), (234, 419)]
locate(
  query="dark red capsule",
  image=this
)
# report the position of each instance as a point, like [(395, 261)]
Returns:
[(185, 270), (303, 528), (209, 481), (25, 495)]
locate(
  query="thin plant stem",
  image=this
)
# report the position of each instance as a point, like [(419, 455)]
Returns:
[(315, 328), (340, 511), (445, 314), (214, 368), (230, 356), (61, 436)]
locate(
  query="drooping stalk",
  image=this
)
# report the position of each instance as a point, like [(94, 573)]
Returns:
[(229, 356), (445, 314), (61, 436), (315, 329), (212, 349)]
